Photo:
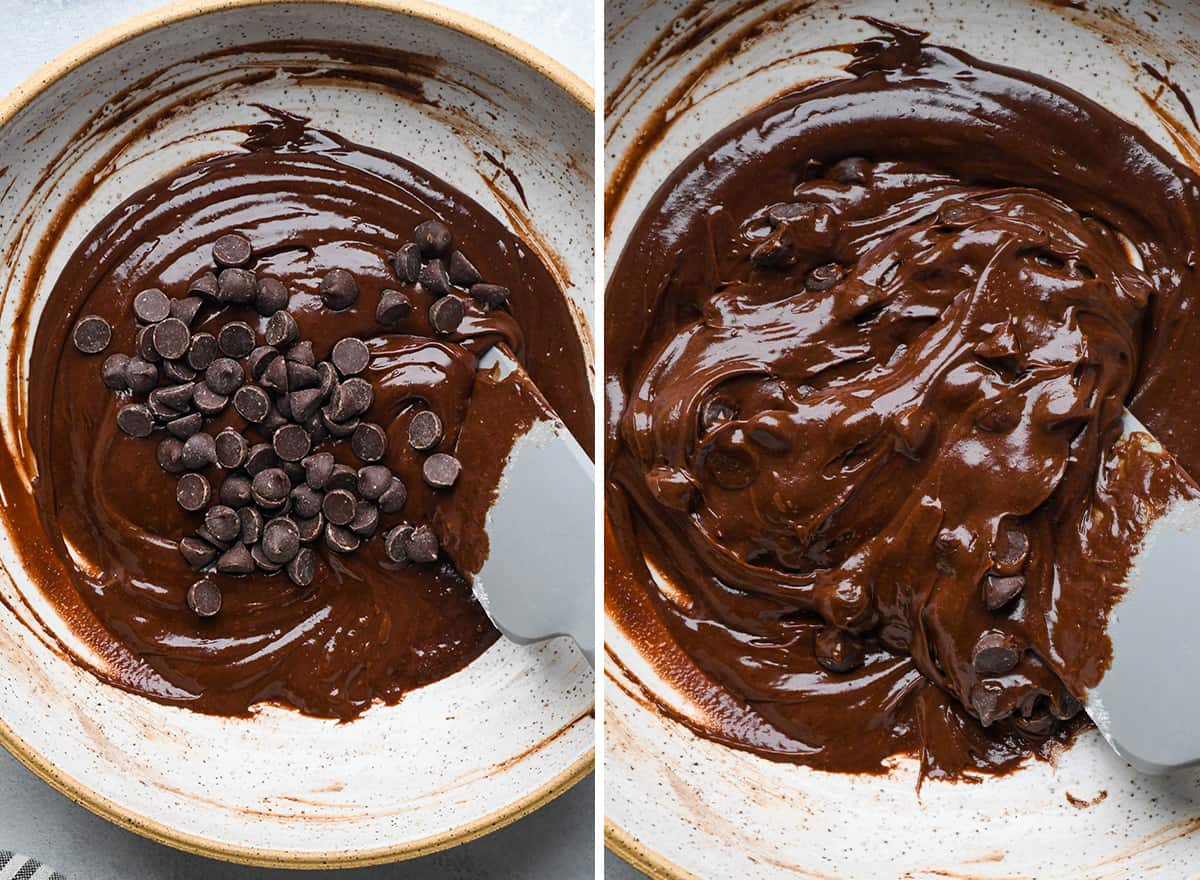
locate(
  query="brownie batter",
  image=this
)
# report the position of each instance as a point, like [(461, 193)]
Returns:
[(868, 351), (101, 523)]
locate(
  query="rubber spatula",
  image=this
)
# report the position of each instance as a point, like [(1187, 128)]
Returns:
[(1146, 704), (538, 578)]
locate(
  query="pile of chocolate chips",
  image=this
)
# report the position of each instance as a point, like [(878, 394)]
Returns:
[(280, 495)]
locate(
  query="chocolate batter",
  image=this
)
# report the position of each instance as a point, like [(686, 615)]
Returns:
[(102, 522), (868, 350)]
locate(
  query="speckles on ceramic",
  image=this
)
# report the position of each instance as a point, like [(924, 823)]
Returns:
[(682, 806), (452, 760)]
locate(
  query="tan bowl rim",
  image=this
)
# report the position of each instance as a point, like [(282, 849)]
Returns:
[(646, 860), (16, 100)]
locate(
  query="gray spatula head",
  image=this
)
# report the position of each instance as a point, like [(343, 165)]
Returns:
[(538, 579), (1148, 703)]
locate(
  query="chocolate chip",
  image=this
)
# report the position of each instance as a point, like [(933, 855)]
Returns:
[(394, 497), (231, 250), (302, 353), (204, 598), (306, 501), (193, 492), (237, 286), (446, 314), (434, 278), (837, 651), (236, 561), (281, 540), (261, 358), (407, 262), (274, 377), (251, 403), (315, 425), (291, 443), (178, 371), (340, 539), (261, 560), (197, 553), (223, 522), (208, 401), (235, 491), (985, 700), (369, 442), (282, 329), (205, 285), (177, 398), (186, 309), (351, 398), (823, 277), (158, 409), (171, 338), (202, 351), (270, 487), (92, 334), (853, 170), (112, 371), (170, 455), (310, 528), (394, 543), (135, 420), (433, 238), (491, 296), (224, 375), (393, 308), (338, 506), (232, 448), (999, 590), (425, 431), (144, 343), (329, 379), (208, 537), (341, 430), (304, 403), (366, 519), (141, 376), (303, 567), (236, 339), (151, 306), (1011, 549), (300, 376), (421, 545), (260, 457), (462, 272), (272, 296), (339, 290), (441, 470), (318, 468), (199, 451), (350, 356), (252, 524), (343, 477), (185, 426), (994, 654), (373, 481)]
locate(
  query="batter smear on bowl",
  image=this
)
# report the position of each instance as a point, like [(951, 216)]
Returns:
[(246, 393), (868, 353)]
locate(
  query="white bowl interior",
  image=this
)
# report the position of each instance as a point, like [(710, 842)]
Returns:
[(685, 804), (458, 756)]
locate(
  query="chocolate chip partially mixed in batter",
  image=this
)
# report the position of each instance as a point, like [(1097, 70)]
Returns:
[(245, 407), (868, 354)]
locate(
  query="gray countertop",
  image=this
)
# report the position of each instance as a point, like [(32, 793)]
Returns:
[(556, 841)]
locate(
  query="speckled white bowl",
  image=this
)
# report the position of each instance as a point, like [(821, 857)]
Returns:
[(452, 760), (680, 806)]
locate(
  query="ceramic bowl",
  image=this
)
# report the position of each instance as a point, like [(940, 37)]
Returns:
[(452, 760), (680, 806)]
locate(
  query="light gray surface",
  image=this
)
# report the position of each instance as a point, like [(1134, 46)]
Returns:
[(615, 868), (555, 842)]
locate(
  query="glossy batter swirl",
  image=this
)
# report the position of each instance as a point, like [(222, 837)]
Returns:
[(102, 523), (863, 450)]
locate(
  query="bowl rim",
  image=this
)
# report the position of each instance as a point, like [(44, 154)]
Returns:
[(72, 788), (651, 863)]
